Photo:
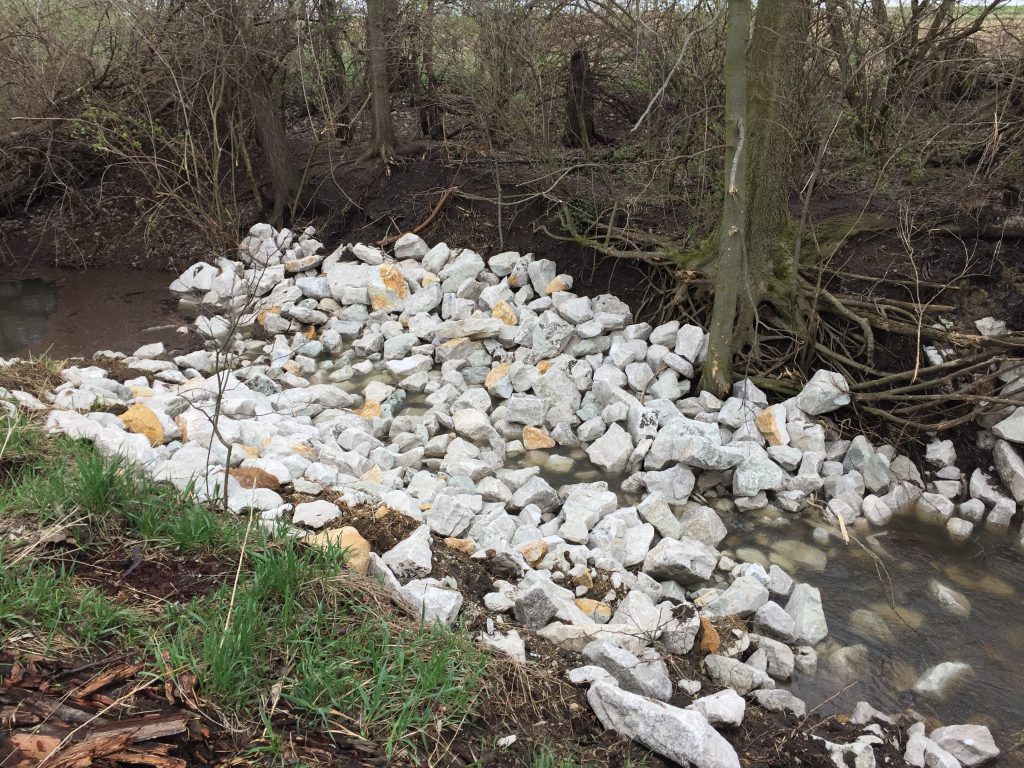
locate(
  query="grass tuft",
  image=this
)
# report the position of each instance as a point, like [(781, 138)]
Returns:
[(337, 661)]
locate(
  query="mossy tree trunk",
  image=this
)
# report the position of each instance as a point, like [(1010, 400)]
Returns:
[(732, 240), (756, 258)]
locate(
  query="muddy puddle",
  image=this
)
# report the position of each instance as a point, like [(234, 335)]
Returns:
[(65, 313)]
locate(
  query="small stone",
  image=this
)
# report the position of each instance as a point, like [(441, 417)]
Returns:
[(942, 680), (825, 392), (686, 561), (534, 552), (804, 607), (683, 736), (734, 674), (1012, 427), (315, 514), (970, 744), (411, 558), (612, 450), (537, 438), (254, 477), (466, 546), (432, 601), (780, 701), (356, 549), (708, 639), (940, 453), (722, 708), (141, 420), (742, 598), (599, 611)]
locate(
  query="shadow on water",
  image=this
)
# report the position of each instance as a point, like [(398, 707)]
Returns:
[(25, 306)]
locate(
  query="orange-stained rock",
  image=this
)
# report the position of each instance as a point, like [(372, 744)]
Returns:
[(394, 292), (495, 375), (141, 420), (770, 427), (534, 552), (537, 438), (504, 312), (595, 609), (543, 366), (370, 410), (357, 549), (138, 391), (261, 316), (254, 477), (708, 640), (248, 451), (305, 450), (461, 545), (558, 284), (583, 580)]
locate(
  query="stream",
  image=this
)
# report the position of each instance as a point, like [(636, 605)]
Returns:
[(66, 313)]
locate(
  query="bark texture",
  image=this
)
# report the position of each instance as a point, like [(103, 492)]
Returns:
[(270, 133), (579, 103), (383, 142), (717, 376)]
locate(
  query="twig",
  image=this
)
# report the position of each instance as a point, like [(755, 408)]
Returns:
[(427, 221), (679, 60), (234, 586)]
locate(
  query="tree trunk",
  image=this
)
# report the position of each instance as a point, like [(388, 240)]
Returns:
[(383, 142), (717, 377), (340, 115), (270, 133), (430, 111), (774, 66), (756, 259), (579, 103)]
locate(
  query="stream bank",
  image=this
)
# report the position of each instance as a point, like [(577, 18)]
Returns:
[(526, 366)]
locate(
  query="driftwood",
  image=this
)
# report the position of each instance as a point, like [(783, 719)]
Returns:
[(76, 726)]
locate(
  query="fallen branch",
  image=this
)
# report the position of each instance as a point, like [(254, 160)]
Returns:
[(427, 221)]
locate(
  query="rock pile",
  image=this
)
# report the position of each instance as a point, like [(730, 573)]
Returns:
[(424, 380)]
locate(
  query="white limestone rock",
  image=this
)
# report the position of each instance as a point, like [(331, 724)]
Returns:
[(684, 736)]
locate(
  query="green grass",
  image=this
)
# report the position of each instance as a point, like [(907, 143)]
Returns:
[(46, 480), (41, 599), (338, 657), (544, 756)]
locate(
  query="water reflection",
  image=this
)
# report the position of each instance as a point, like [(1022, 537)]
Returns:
[(24, 307)]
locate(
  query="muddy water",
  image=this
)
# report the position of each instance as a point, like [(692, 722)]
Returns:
[(878, 592), (25, 306), (65, 313)]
